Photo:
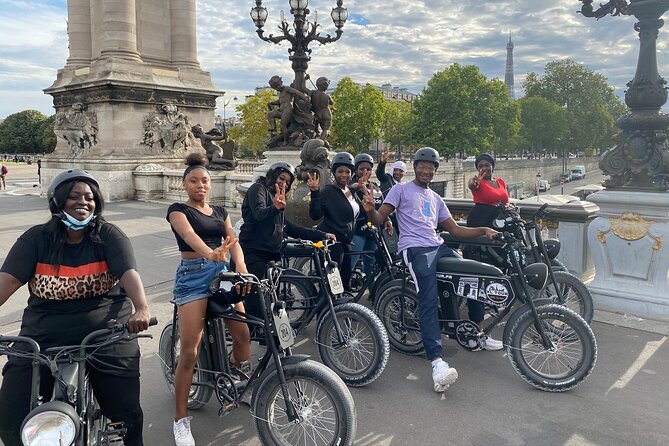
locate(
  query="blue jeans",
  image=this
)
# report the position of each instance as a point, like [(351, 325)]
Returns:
[(193, 278), (422, 263), (363, 243)]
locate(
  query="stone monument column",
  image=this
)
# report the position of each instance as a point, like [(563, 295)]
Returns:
[(79, 33), (184, 40), (115, 29), (122, 102)]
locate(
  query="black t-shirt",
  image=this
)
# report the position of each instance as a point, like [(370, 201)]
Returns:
[(210, 228), (71, 300)]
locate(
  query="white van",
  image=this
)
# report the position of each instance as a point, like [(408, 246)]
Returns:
[(578, 172)]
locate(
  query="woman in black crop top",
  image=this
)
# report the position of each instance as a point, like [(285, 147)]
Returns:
[(204, 234)]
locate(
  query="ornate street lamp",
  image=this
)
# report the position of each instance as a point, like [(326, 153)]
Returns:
[(303, 33), (640, 159)]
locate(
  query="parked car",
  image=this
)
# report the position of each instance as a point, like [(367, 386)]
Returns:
[(543, 185), (565, 177), (470, 158), (578, 172)]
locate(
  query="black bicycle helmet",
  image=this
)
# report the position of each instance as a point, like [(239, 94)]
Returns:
[(343, 159), (426, 154), (64, 177), (485, 157), (363, 158), (284, 167), (276, 169)]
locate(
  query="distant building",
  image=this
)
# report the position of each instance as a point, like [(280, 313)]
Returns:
[(508, 75)]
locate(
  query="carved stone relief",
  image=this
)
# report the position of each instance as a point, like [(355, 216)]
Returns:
[(167, 130), (78, 128)]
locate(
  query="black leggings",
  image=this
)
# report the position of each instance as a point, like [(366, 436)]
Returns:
[(256, 263), (337, 253), (118, 398)]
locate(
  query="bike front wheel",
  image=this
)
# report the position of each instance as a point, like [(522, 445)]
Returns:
[(566, 363), (365, 350), (325, 408), (199, 393), (397, 306), (575, 294)]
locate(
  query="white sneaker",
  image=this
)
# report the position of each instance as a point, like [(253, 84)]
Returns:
[(488, 343), (491, 344), (182, 435), (443, 376)]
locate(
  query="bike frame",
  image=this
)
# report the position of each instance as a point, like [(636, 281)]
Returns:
[(448, 306), (213, 348)]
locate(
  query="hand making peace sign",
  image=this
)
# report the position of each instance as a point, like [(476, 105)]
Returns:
[(384, 156), (313, 182), (368, 198), (218, 254), (279, 199), (475, 181)]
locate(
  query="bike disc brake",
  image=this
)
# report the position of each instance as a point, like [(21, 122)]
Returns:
[(467, 331)]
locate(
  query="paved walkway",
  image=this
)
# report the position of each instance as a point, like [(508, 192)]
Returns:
[(624, 402)]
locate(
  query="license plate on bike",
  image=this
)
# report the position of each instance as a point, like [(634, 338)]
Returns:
[(284, 331), (334, 278)]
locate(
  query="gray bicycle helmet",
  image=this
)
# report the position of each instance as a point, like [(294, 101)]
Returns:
[(343, 159), (276, 169), (363, 158), (64, 177), (426, 154)]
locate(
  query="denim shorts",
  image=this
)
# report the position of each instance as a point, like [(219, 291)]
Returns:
[(193, 278)]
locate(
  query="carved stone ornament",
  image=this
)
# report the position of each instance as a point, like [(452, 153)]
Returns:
[(78, 127), (314, 156), (149, 168), (167, 130), (630, 226)]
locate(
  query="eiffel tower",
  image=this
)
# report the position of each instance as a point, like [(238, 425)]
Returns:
[(508, 75)]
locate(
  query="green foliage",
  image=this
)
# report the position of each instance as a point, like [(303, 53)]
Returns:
[(48, 137), (23, 132), (396, 126), (461, 111), (591, 104), (252, 136), (544, 124), (358, 117)]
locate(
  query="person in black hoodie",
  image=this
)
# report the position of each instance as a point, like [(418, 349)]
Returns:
[(265, 224), (364, 164), (338, 208)]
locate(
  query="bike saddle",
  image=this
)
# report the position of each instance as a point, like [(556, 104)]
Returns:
[(463, 266), (297, 250), (480, 240)]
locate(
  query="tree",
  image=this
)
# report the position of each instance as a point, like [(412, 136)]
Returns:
[(23, 132), (253, 134), (396, 125), (543, 123), (590, 102), (359, 114), (461, 111), (48, 137)]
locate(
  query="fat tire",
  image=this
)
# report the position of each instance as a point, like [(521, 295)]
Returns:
[(297, 307), (580, 302), (268, 404), (387, 307), (378, 344), (95, 421), (199, 395), (378, 283), (576, 330)]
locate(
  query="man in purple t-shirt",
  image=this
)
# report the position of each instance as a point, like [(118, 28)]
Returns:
[(420, 213)]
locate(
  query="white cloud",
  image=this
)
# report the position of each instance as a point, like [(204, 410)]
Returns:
[(398, 41)]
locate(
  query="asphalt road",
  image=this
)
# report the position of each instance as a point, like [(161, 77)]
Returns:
[(624, 402)]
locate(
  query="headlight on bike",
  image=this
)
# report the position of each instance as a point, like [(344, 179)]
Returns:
[(53, 423)]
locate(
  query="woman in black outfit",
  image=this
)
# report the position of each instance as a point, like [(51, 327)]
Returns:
[(265, 223), (337, 206)]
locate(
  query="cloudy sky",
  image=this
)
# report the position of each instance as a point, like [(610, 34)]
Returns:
[(402, 42)]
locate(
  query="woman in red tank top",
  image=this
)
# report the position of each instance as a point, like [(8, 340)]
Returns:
[(488, 192)]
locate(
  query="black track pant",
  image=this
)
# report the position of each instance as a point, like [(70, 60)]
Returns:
[(118, 398)]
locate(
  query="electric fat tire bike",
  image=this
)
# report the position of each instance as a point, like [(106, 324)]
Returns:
[(294, 400), (563, 288), (384, 270), (351, 339), (550, 346), (72, 415)]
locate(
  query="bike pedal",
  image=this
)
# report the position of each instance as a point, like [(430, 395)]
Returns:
[(227, 408)]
